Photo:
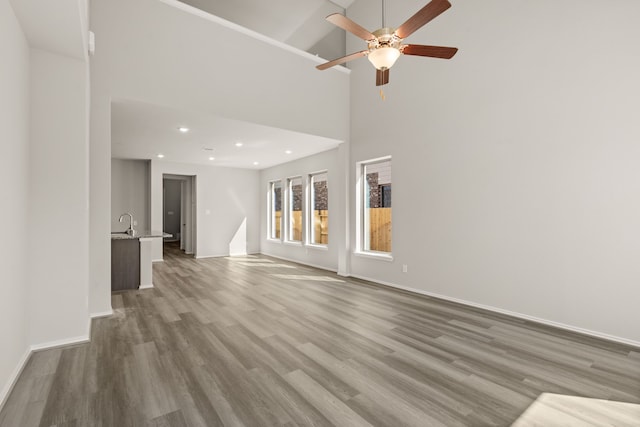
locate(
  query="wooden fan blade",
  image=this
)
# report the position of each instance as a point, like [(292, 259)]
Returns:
[(421, 17), (430, 51), (382, 77), (342, 60), (348, 25)]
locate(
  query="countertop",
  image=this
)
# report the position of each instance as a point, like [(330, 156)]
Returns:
[(120, 235)]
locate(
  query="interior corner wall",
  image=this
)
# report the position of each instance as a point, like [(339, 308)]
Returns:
[(14, 172), (331, 46), (59, 200), (515, 164), (99, 199), (130, 192), (227, 200), (329, 161)]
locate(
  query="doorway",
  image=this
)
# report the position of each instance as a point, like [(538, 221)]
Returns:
[(179, 211)]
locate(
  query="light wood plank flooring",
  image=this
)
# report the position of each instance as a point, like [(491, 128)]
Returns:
[(255, 341)]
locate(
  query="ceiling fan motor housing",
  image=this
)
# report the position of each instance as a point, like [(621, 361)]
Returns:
[(384, 50), (385, 37)]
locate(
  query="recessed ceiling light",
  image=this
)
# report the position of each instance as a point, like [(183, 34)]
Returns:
[(238, 144), (212, 158), (160, 156), (288, 152), (256, 163), (183, 129)]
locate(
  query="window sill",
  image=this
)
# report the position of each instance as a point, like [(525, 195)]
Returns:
[(292, 243), (270, 240), (318, 247), (375, 255)]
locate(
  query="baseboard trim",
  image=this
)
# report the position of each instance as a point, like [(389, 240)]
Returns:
[(146, 286), (157, 260), (210, 256), (321, 267), (225, 255), (522, 316), (101, 314), (13, 379), (82, 339)]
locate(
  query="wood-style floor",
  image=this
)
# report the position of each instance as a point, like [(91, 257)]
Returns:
[(256, 341)]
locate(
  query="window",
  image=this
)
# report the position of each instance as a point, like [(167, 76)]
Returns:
[(275, 209), (295, 209), (319, 209), (375, 206)]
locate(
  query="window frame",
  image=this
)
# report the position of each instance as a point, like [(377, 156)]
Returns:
[(288, 238), (271, 211), (361, 220), (310, 209)]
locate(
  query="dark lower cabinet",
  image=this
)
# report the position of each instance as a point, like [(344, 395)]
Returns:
[(125, 264)]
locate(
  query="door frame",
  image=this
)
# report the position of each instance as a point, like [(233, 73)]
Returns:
[(188, 211)]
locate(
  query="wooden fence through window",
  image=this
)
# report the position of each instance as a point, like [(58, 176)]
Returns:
[(379, 227), (320, 226)]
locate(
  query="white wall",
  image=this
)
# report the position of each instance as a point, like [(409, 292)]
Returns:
[(130, 192), (153, 52), (226, 198), (14, 173), (324, 258), (515, 164), (58, 206), (44, 163)]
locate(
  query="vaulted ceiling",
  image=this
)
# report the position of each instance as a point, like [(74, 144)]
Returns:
[(300, 24)]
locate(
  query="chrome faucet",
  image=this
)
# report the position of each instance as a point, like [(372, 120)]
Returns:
[(130, 230)]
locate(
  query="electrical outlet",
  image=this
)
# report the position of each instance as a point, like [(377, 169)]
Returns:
[(135, 223), (405, 268)]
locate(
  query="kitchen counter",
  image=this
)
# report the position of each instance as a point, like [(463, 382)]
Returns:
[(138, 234), (131, 263)]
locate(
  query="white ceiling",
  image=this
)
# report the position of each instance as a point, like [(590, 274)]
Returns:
[(142, 131)]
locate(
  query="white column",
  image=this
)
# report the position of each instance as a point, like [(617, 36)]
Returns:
[(146, 265)]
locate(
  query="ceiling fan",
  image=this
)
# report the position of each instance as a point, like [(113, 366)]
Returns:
[(384, 46)]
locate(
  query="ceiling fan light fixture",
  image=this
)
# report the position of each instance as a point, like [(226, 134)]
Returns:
[(384, 45), (384, 57)]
